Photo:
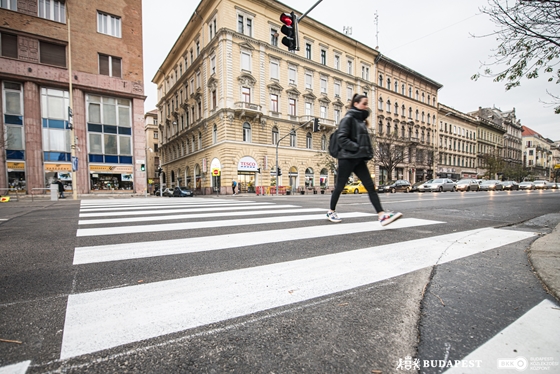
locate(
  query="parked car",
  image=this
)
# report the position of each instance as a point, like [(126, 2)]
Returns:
[(182, 192), (440, 185), (356, 187), (164, 192), (554, 186), (540, 185), (419, 186), (394, 186), (491, 185), (468, 185), (510, 185), (526, 186)]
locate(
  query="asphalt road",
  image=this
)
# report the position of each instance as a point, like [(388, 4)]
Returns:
[(234, 286)]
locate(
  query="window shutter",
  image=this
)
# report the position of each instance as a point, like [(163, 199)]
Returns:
[(116, 65), (9, 45), (103, 65), (52, 54)]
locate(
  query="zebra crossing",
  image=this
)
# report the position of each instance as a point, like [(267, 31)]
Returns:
[(108, 318)]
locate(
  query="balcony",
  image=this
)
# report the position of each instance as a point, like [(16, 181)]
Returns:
[(323, 122), (245, 109)]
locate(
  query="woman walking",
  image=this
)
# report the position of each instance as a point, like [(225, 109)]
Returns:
[(355, 151)]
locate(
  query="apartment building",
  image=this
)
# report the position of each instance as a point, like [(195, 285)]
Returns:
[(537, 154), (406, 108), (152, 150), (95, 48), (457, 150), (490, 144)]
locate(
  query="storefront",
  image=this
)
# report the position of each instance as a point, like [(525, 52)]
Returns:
[(111, 178), (62, 172), (216, 173), (16, 176), (247, 169)]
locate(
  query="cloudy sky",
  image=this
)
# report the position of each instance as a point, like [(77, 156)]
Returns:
[(433, 37)]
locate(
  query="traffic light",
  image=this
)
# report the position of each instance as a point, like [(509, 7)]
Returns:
[(279, 171), (159, 171), (143, 167), (316, 125), (290, 29), (259, 170)]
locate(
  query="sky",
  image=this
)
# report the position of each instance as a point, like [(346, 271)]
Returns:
[(440, 39)]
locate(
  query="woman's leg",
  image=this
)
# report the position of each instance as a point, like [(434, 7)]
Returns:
[(362, 171), (345, 168)]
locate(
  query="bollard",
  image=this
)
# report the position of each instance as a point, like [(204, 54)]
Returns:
[(54, 192)]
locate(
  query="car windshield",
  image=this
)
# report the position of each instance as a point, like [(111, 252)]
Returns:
[(489, 182), (438, 181), (464, 181), (526, 183)]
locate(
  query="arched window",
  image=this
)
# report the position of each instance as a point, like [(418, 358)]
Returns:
[(402, 132), (247, 132), (389, 106), (199, 140), (417, 114), (308, 141), (396, 109), (380, 128), (193, 144), (380, 80), (417, 95), (422, 96), (402, 89), (429, 100), (274, 135), (396, 87), (410, 113), (429, 117), (388, 83), (403, 110), (380, 104), (309, 177), (423, 116)]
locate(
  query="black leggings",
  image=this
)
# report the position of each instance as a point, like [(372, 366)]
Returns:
[(359, 167)]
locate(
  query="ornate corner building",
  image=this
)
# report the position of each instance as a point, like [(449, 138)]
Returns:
[(95, 46)]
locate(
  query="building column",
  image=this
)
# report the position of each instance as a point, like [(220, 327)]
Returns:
[(34, 173), (80, 132), (3, 165), (139, 146)]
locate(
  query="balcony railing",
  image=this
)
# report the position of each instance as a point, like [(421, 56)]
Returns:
[(245, 109)]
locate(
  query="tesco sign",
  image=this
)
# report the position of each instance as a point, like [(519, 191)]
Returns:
[(247, 163)]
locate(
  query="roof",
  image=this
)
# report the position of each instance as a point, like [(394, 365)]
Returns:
[(529, 132)]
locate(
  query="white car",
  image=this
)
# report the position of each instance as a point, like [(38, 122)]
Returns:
[(541, 185), (440, 185)]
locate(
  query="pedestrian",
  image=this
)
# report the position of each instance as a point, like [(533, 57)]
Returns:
[(60, 189), (356, 150), (233, 186)]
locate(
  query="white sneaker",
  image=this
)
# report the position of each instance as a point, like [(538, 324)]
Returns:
[(389, 217), (333, 217)]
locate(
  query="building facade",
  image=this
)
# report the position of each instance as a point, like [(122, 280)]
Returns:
[(152, 150), (537, 155), (457, 146), (95, 48)]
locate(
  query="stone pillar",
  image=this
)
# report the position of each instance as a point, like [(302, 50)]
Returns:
[(34, 173), (139, 145), (3, 165), (80, 131)]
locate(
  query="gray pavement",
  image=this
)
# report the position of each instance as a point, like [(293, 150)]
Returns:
[(544, 255)]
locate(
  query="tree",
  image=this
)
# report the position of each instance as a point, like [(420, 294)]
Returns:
[(390, 151), (494, 164), (529, 37)]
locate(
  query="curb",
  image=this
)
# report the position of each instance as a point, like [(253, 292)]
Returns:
[(544, 256)]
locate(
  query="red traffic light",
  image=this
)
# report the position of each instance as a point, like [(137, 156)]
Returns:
[(286, 19)]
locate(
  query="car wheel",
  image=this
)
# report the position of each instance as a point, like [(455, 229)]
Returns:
[(356, 191), (454, 189), (440, 189), (407, 190)]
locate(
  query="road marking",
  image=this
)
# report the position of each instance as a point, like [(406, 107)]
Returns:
[(19, 368), (173, 206), (127, 251), (104, 319), (208, 224), (533, 335), (203, 208), (277, 210)]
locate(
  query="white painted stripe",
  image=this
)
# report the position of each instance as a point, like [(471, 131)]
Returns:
[(19, 368), (197, 208), (174, 206), (109, 318), (168, 202), (227, 212), (535, 334), (147, 201), (127, 251), (208, 224)]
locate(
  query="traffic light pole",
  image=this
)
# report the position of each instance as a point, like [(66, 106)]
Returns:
[(310, 9), (278, 143)]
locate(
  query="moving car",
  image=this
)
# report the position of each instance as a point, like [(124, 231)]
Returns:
[(541, 185), (164, 192), (182, 192), (491, 185), (554, 186), (526, 186), (510, 186), (394, 186), (468, 185), (440, 185), (356, 187), (419, 186)]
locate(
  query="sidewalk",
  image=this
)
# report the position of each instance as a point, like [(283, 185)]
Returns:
[(544, 255)]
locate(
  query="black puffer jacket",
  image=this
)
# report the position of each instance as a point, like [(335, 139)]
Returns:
[(353, 137)]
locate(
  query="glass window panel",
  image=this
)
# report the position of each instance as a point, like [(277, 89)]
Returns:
[(125, 145), (110, 129), (13, 102), (15, 137), (57, 140), (94, 113), (110, 144), (44, 106), (124, 116), (109, 113), (94, 99), (125, 131), (124, 102), (95, 144), (55, 107)]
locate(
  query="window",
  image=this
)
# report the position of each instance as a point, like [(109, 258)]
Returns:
[(388, 109), (52, 54), (274, 135), (274, 37), (308, 109), (337, 62), (8, 4), (108, 24), (323, 113), (215, 134), (396, 87), (110, 65), (350, 67), (380, 80), (198, 79), (308, 50), (274, 69), (323, 85), (56, 134), (388, 83), (13, 121), (55, 10), (336, 115), (247, 132), (274, 103), (211, 31), (323, 57), (292, 106), (308, 141), (156, 134), (199, 140), (350, 92), (244, 25), (337, 89), (240, 24), (308, 80), (292, 75), (380, 104), (365, 72), (293, 139), (245, 61), (402, 89), (8, 45), (212, 65), (246, 94), (214, 99), (197, 48)]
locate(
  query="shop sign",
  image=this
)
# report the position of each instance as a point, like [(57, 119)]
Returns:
[(215, 172), (110, 169), (58, 167), (247, 163), (204, 165), (65, 176), (16, 166), (126, 177)]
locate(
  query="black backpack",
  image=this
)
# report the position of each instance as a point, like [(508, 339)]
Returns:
[(334, 147)]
